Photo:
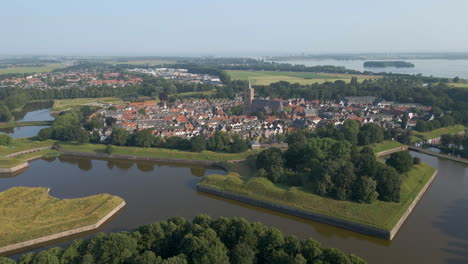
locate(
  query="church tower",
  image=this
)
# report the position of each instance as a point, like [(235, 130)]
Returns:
[(248, 98)]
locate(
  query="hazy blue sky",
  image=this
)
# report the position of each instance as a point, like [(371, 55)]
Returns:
[(237, 27)]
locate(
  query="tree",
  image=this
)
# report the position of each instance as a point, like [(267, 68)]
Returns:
[(5, 114), (4, 260), (238, 145), (370, 133), (404, 121), (144, 138), (271, 160), (45, 133), (388, 183), (119, 136), (110, 121), (401, 161), (350, 130), (456, 79), (198, 143), (365, 191), (142, 111), (5, 139)]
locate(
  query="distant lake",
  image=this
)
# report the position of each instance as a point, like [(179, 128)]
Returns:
[(29, 131), (436, 68)]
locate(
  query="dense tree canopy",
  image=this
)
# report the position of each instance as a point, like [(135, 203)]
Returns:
[(204, 240)]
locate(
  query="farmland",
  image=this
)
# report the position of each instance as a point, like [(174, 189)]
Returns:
[(268, 77)]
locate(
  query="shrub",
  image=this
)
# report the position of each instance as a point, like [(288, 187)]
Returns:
[(5, 139)]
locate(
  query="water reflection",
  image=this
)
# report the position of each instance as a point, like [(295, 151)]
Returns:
[(434, 233)]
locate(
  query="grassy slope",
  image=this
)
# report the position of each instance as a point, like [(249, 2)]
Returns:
[(28, 213), (47, 68), (61, 105), (20, 144), (267, 77), (386, 145), (378, 214), (441, 131), (156, 152)]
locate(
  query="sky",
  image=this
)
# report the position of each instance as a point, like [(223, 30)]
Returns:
[(231, 28)]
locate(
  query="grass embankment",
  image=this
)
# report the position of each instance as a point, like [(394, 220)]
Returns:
[(156, 152), (28, 213), (268, 77), (48, 67), (21, 144), (65, 104), (386, 145), (379, 214), (26, 123), (440, 131)]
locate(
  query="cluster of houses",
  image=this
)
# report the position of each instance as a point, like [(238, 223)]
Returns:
[(71, 79), (188, 118), (180, 75)]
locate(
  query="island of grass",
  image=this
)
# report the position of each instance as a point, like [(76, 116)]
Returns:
[(386, 147), (30, 216), (384, 64), (382, 218), (268, 77)]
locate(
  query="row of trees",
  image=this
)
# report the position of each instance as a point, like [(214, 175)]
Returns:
[(354, 133), (334, 168), (202, 241), (219, 141), (455, 144)]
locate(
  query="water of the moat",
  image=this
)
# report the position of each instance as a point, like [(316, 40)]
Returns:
[(436, 231)]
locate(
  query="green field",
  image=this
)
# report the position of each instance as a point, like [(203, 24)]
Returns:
[(386, 145), (458, 85), (268, 77), (46, 68), (156, 152), (379, 214), (194, 94), (441, 131), (66, 104), (143, 62), (28, 213)]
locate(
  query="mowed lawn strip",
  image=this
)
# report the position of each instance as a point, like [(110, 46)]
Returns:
[(440, 131), (379, 214), (156, 152), (28, 213)]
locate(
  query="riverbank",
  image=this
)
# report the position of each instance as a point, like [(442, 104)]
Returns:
[(31, 216), (439, 155), (379, 219)]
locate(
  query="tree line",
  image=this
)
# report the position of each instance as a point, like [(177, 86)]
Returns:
[(76, 126), (201, 241)]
